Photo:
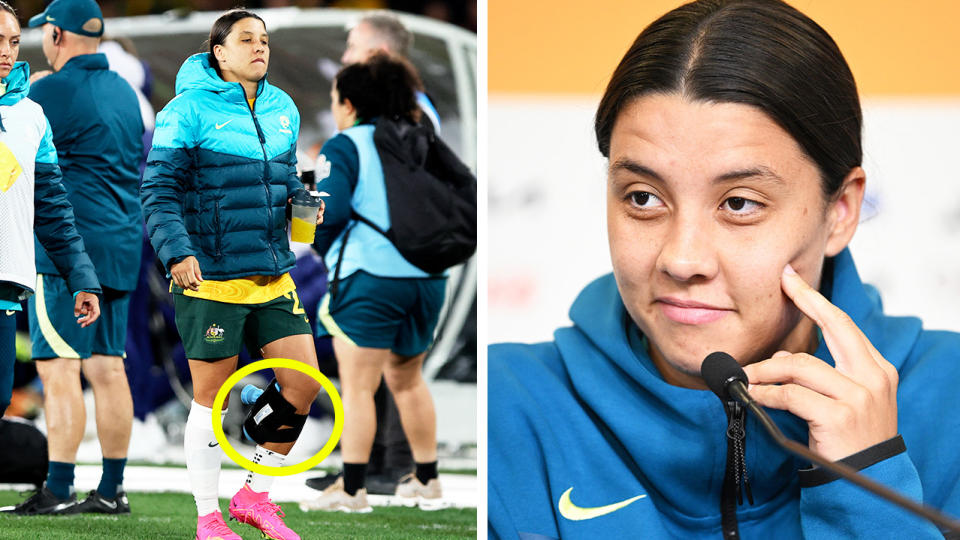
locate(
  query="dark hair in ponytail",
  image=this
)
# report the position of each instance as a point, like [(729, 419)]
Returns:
[(382, 86), (221, 29)]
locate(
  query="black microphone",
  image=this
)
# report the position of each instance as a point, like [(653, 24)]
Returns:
[(726, 379)]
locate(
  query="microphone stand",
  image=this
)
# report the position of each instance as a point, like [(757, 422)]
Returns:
[(740, 392)]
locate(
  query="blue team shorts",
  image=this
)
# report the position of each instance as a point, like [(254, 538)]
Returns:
[(55, 332), (399, 314)]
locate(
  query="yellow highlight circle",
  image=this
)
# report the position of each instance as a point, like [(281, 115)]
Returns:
[(286, 470)]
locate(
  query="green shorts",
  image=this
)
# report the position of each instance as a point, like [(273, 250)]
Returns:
[(213, 330), (399, 314)]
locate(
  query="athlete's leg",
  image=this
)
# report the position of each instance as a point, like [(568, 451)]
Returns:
[(360, 372), (111, 393), (114, 414), (297, 388), (8, 356), (66, 418), (62, 406), (251, 505), (208, 376), (419, 420), (201, 448), (417, 413)]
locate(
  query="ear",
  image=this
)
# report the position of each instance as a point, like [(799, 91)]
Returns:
[(843, 213), (218, 53)]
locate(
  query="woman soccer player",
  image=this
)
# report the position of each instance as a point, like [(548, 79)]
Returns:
[(732, 130), (217, 181)]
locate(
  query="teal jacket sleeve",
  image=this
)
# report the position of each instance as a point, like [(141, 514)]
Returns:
[(166, 179), (293, 181), (337, 173), (54, 222), (840, 509)]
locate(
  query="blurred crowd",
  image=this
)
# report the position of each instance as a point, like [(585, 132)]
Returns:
[(456, 12)]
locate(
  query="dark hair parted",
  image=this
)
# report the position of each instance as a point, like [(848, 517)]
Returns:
[(221, 29), (9, 9), (762, 53), (384, 85)]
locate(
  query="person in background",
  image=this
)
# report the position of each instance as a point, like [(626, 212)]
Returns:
[(32, 200), (732, 130), (385, 310), (218, 180), (377, 33), (382, 31), (97, 134)]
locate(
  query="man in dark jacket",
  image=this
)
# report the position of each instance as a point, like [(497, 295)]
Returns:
[(97, 130)]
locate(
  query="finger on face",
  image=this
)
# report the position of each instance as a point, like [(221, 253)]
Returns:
[(804, 370), (851, 350)]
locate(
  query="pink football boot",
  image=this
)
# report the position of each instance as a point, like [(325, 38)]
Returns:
[(253, 508), (212, 527)]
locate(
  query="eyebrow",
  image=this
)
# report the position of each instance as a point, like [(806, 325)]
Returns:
[(759, 172), (242, 32)]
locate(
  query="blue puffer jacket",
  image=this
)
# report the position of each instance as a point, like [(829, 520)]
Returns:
[(219, 175)]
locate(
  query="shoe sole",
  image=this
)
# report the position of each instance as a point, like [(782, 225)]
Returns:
[(262, 534), (430, 505), (102, 511), (426, 504), (339, 508)]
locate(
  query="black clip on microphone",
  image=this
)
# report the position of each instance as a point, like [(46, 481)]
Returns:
[(726, 379)]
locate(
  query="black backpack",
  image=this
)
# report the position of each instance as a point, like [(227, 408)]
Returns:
[(431, 196)]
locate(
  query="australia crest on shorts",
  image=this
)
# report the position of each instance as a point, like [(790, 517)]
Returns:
[(214, 334)]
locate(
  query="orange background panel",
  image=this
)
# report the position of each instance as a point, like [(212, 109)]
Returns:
[(895, 48)]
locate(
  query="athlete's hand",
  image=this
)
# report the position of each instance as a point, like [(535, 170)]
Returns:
[(37, 75), (848, 408), (87, 308), (320, 210), (186, 274)]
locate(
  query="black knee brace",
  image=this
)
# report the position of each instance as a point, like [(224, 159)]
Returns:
[(269, 413)]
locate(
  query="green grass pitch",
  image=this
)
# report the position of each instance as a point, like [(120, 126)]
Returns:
[(173, 515)]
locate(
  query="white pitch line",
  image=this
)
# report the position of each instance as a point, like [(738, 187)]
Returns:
[(459, 490)]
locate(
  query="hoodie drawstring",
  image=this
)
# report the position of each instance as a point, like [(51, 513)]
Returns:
[(736, 481), (737, 434)]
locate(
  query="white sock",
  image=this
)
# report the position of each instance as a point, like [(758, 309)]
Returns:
[(261, 482), (202, 454)]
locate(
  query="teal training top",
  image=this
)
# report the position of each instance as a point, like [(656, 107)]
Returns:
[(98, 133), (585, 422)]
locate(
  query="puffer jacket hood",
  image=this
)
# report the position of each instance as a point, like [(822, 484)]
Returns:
[(18, 84), (219, 175), (196, 73)]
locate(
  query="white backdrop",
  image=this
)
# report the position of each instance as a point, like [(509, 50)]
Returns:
[(547, 229)]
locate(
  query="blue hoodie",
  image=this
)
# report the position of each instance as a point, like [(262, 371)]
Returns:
[(587, 421), (219, 175)]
